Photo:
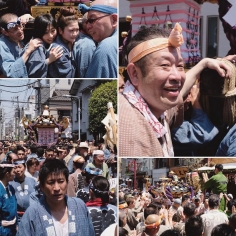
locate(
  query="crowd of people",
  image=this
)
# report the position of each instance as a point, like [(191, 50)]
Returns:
[(61, 190), (66, 47), (158, 211)]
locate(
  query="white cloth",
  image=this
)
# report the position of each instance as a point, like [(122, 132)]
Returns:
[(35, 176), (61, 229), (110, 230), (211, 219)]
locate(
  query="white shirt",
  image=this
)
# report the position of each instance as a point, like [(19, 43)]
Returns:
[(211, 219), (61, 229)]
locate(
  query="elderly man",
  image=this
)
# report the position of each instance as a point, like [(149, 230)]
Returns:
[(102, 26), (148, 105), (12, 63), (83, 49), (98, 162)]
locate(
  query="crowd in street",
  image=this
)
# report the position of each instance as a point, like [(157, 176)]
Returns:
[(65, 47), (62, 190), (156, 211)]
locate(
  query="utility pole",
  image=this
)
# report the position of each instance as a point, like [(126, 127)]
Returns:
[(37, 86), (17, 118), (135, 171)]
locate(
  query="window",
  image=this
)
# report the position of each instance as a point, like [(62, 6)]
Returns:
[(57, 81), (212, 39), (69, 81)]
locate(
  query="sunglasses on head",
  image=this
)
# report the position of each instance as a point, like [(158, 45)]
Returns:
[(91, 21), (11, 25)]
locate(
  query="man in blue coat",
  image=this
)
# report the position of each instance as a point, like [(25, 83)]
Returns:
[(102, 26), (55, 213)]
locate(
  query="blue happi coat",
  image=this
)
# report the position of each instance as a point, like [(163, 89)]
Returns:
[(37, 220), (11, 63), (64, 67), (8, 210), (104, 61), (83, 50), (22, 195), (36, 64)]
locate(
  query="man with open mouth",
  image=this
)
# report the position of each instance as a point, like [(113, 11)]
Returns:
[(156, 86)]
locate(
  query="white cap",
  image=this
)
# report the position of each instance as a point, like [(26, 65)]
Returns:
[(83, 145), (98, 152)]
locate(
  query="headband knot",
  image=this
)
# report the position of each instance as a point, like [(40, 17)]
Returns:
[(91, 186), (18, 162), (99, 7), (153, 225), (175, 40)]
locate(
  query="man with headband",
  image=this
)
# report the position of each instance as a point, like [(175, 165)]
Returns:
[(102, 26), (12, 63), (156, 85)]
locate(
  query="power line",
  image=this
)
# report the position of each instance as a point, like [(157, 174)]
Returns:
[(13, 92), (17, 86)]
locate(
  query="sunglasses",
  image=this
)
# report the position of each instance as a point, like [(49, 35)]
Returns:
[(14, 25), (91, 21)]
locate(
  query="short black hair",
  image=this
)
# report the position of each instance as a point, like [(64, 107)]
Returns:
[(149, 210), (4, 170), (185, 197), (219, 167), (214, 201), (189, 209), (40, 152), (20, 148), (33, 148), (222, 230), (41, 23), (194, 226), (52, 166)]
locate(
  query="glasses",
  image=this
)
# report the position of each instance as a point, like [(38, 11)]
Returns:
[(12, 27), (92, 21)]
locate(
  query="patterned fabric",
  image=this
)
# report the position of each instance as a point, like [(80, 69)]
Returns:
[(211, 219), (22, 195), (37, 220), (8, 209), (102, 217), (134, 97), (104, 168), (136, 136), (11, 64), (138, 116), (83, 194), (76, 182), (104, 61)]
